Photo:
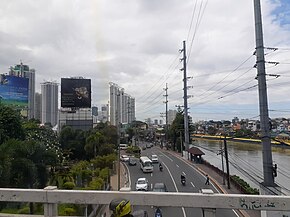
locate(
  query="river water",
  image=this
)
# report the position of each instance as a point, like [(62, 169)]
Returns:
[(246, 161)]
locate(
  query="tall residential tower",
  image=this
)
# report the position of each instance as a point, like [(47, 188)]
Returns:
[(49, 98), (122, 105)]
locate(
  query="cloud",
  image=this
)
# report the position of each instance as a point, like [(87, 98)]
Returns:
[(135, 44)]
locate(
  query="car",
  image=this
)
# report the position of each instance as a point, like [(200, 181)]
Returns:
[(143, 147), (148, 145), (123, 146), (132, 161), (159, 187), (142, 184), (154, 158), (124, 158)]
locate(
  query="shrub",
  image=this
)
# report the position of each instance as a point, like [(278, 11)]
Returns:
[(67, 210), (244, 185), (68, 185), (24, 210)]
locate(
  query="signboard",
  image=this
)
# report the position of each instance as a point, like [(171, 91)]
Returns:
[(14, 90), (75, 93)]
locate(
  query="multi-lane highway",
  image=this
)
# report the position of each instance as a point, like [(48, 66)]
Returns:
[(173, 168)]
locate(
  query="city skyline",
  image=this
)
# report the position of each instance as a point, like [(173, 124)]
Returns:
[(136, 46)]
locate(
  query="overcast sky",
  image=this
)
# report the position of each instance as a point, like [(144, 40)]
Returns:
[(135, 43)]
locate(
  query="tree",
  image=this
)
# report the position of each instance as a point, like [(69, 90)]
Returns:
[(93, 143), (212, 130), (24, 164), (73, 142), (10, 124), (176, 128)]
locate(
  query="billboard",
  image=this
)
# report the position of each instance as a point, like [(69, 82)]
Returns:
[(75, 93), (14, 90)]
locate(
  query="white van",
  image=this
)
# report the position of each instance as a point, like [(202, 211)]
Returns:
[(123, 146)]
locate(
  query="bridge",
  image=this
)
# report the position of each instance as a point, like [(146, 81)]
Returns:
[(208, 201)]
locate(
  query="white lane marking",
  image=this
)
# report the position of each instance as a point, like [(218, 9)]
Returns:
[(151, 174), (183, 210), (168, 157), (192, 184), (184, 173), (235, 212), (151, 186), (177, 165)]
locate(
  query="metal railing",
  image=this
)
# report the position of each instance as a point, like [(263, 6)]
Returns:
[(51, 197)]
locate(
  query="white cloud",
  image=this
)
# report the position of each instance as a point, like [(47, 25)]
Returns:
[(134, 43)]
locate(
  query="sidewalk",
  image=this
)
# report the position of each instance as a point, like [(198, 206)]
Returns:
[(124, 179), (217, 180)]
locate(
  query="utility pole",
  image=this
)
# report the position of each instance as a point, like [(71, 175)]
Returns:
[(221, 152), (181, 145), (227, 161), (263, 101), (118, 141), (186, 132), (166, 115)]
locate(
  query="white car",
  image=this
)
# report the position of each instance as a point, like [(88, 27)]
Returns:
[(154, 158), (142, 184), (124, 158)]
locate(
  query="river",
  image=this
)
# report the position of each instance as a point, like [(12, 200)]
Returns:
[(246, 161)]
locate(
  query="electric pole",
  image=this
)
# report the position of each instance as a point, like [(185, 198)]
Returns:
[(227, 162), (263, 101), (118, 141), (166, 115), (186, 132)]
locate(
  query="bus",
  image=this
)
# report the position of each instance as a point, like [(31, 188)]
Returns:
[(146, 164)]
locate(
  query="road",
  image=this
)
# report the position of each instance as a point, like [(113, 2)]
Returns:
[(173, 168)]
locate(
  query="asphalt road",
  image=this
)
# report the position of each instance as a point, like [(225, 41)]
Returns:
[(173, 167)]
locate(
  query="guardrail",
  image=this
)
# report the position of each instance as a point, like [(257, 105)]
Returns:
[(50, 197)]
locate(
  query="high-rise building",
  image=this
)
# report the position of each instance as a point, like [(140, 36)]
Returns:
[(37, 106), (103, 114), (122, 105), (171, 116), (155, 121), (95, 110), (49, 112), (22, 70)]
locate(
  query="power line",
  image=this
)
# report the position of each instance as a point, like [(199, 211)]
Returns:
[(162, 77), (198, 21), (227, 75)]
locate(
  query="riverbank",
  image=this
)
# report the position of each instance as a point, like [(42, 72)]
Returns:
[(274, 143)]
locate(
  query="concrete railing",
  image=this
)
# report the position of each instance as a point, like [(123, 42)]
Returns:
[(51, 197)]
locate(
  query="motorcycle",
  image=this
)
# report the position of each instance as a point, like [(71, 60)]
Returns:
[(183, 181), (158, 212), (161, 168)]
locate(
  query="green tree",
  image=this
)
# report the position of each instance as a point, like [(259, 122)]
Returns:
[(177, 128), (24, 164), (73, 142), (211, 130), (10, 124), (93, 143)]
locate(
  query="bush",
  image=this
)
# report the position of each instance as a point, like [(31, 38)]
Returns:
[(67, 210), (24, 210), (68, 185), (244, 185), (96, 184)]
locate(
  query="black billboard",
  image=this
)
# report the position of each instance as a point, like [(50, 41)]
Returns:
[(75, 93)]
